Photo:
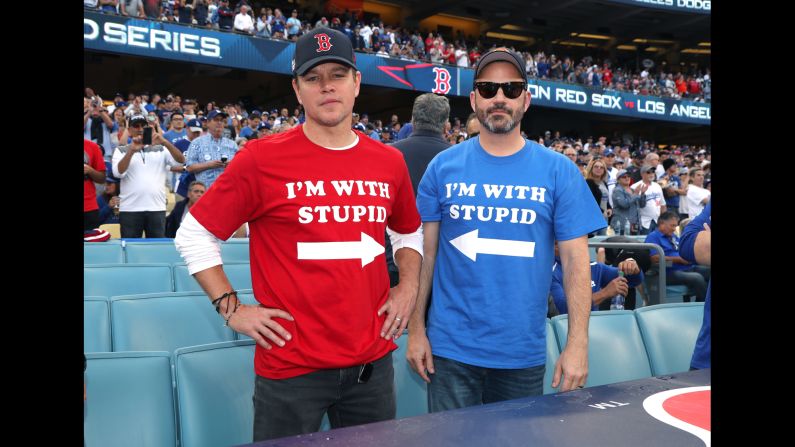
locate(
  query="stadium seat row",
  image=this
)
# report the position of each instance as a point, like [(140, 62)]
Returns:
[(121, 251), (213, 382), (129, 279)]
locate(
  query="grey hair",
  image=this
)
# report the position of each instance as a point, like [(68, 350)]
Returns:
[(430, 112)]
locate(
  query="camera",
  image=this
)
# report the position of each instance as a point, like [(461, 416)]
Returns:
[(223, 158), (94, 102)]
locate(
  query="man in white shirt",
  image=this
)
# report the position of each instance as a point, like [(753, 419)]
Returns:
[(142, 170), (366, 32), (243, 21), (655, 202), (461, 58), (697, 195)]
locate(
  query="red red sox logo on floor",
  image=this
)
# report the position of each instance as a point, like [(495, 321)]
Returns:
[(687, 409)]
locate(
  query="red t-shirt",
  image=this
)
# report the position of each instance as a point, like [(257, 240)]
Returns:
[(92, 157), (274, 184)]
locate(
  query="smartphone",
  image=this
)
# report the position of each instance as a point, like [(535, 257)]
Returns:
[(147, 135)]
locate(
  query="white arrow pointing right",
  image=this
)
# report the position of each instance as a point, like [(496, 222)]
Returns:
[(470, 245), (366, 250)]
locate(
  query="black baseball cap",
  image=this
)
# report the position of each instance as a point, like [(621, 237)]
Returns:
[(322, 45), (501, 54)]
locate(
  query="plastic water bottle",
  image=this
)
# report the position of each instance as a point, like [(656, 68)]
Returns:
[(618, 301), (626, 228)]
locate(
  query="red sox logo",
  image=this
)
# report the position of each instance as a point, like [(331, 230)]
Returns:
[(442, 81), (687, 409), (323, 42)]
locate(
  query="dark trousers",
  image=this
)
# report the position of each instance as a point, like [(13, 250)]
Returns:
[(458, 385), (696, 280), (294, 406), (90, 220), (134, 223)]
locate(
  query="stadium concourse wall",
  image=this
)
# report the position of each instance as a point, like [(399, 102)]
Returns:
[(168, 41)]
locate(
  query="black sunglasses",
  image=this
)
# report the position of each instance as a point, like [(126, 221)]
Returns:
[(511, 90)]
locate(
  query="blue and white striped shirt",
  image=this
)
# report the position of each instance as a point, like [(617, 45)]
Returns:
[(206, 148)]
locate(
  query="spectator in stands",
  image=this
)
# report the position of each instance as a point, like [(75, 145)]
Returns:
[(681, 271), (195, 190), (244, 23), (655, 201), (652, 159), (626, 202), (671, 185), (209, 155), (278, 24), (152, 9), (697, 196), (226, 16), (472, 126), (696, 246), (294, 26), (428, 115), (478, 357), (108, 6), (194, 130), (200, 13), (605, 282), (93, 172), (143, 197), (295, 385), (108, 201), (98, 125), (571, 154), (264, 22), (596, 178), (250, 131), (133, 8), (634, 168), (176, 127)]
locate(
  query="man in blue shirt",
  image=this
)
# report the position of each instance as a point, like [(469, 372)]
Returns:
[(681, 271), (250, 132), (605, 282), (492, 207), (696, 247), (176, 127), (208, 155)]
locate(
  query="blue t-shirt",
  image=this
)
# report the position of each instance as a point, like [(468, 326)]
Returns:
[(671, 247), (499, 218), (673, 201), (701, 354), (601, 275), (173, 135), (246, 132)]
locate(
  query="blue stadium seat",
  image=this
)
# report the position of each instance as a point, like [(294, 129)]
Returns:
[(669, 333), (165, 322), (108, 252), (126, 279), (553, 352), (129, 400), (235, 250), (215, 385), (410, 390), (96, 324), (239, 274), (615, 347), (143, 252)]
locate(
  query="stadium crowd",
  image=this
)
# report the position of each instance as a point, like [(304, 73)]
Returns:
[(181, 120), (677, 82)]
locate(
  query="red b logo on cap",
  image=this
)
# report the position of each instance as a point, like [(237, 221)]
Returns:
[(323, 43)]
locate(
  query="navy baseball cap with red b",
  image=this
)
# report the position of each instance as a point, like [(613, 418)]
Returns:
[(322, 45)]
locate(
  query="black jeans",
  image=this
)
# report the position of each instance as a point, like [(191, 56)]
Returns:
[(134, 223), (294, 406)]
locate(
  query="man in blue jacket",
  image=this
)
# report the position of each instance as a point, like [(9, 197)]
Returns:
[(605, 282)]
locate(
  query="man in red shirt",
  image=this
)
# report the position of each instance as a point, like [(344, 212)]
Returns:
[(93, 172), (318, 199)]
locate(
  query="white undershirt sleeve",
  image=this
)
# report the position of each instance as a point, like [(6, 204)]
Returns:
[(198, 247), (410, 240)]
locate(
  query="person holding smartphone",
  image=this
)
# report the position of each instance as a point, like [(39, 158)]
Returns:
[(142, 166), (211, 153)]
